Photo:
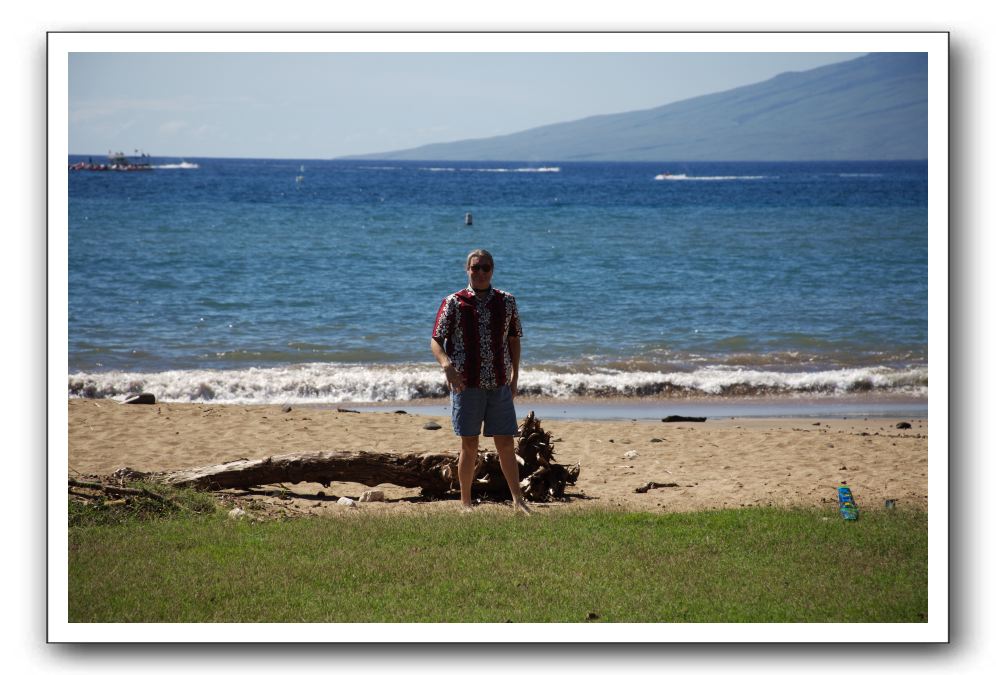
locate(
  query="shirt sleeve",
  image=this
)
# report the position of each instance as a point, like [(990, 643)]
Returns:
[(443, 327), (514, 325)]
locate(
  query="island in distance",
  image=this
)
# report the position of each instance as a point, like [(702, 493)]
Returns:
[(872, 107)]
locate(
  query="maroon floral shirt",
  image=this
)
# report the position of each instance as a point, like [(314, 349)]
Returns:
[(475, 334)]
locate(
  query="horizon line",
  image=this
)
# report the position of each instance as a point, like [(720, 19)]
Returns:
[(352, 158)]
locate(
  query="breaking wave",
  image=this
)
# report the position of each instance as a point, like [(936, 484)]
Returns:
[(681, 176), (539, 169), (335, 383)]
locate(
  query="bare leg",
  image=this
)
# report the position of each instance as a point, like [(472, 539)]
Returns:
[(505, 445), (465, 468)]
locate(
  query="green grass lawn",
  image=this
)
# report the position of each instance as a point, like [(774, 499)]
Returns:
[(748, 565)]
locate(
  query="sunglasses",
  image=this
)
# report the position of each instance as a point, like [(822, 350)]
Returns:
[(481, 268)]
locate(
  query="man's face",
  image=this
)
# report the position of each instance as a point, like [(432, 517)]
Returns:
[(479, 272)]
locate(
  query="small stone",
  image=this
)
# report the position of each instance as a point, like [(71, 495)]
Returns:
[(372, 496), (236, 513), (286, 409), (591, 616), (904, 425), (431, 426), (146, 399), (400, 412), (656, 440), (632, 454), (346, 501)]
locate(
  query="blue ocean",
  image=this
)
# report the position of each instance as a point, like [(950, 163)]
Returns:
[(275, 281)]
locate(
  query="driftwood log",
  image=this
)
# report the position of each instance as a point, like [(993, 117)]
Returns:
[(541, 478), (432, 471)]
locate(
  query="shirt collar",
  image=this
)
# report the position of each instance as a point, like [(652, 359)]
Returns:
[(473, 294)]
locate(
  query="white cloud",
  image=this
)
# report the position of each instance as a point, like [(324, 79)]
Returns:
[(85, 110), (81, 111), (172, 126)]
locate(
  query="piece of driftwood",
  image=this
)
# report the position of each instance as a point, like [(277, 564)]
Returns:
[(117, 491), (682, 418), (653, 485), (541, 478), (435, 474)]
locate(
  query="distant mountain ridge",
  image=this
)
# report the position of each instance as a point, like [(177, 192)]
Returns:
[(870, 108)]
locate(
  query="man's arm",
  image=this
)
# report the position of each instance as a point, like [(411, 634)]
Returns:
[(514, 349), (453, 377)]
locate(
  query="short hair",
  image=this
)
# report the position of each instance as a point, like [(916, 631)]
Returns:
[(479, 253)]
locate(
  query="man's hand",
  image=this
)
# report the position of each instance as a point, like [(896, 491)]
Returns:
[(513, 385), (454, 378)]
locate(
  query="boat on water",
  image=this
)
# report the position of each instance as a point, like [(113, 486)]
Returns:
[(116, 161), (667, 175)]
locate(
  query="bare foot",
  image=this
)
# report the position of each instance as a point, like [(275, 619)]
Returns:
[(522, 507), (466, 508)]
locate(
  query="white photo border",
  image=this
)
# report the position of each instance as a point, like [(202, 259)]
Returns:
[(935, 44)]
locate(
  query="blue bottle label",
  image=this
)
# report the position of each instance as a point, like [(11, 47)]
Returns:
[(848, 509)]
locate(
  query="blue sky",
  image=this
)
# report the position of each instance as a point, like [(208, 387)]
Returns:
[(321, 106)]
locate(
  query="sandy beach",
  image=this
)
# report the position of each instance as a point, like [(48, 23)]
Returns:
[(722, 463)]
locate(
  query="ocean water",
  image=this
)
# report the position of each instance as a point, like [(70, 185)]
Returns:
[(259, 280)]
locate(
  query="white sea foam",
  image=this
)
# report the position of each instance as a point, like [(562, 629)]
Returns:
[(334, 383), (681, 176), (311, 383), (181, 165), (728, 381), (540, 169)]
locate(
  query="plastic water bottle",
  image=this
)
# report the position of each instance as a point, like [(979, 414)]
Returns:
[(848, 509)]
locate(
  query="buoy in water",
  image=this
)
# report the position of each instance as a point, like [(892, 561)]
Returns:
[(468, 219)]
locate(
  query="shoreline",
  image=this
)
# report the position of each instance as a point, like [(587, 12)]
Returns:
[(609, 408), (645, 408)]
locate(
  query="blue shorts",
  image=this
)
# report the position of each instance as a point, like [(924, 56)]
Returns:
[(493, 407)]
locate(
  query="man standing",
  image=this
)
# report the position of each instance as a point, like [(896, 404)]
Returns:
[(476, 341)]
